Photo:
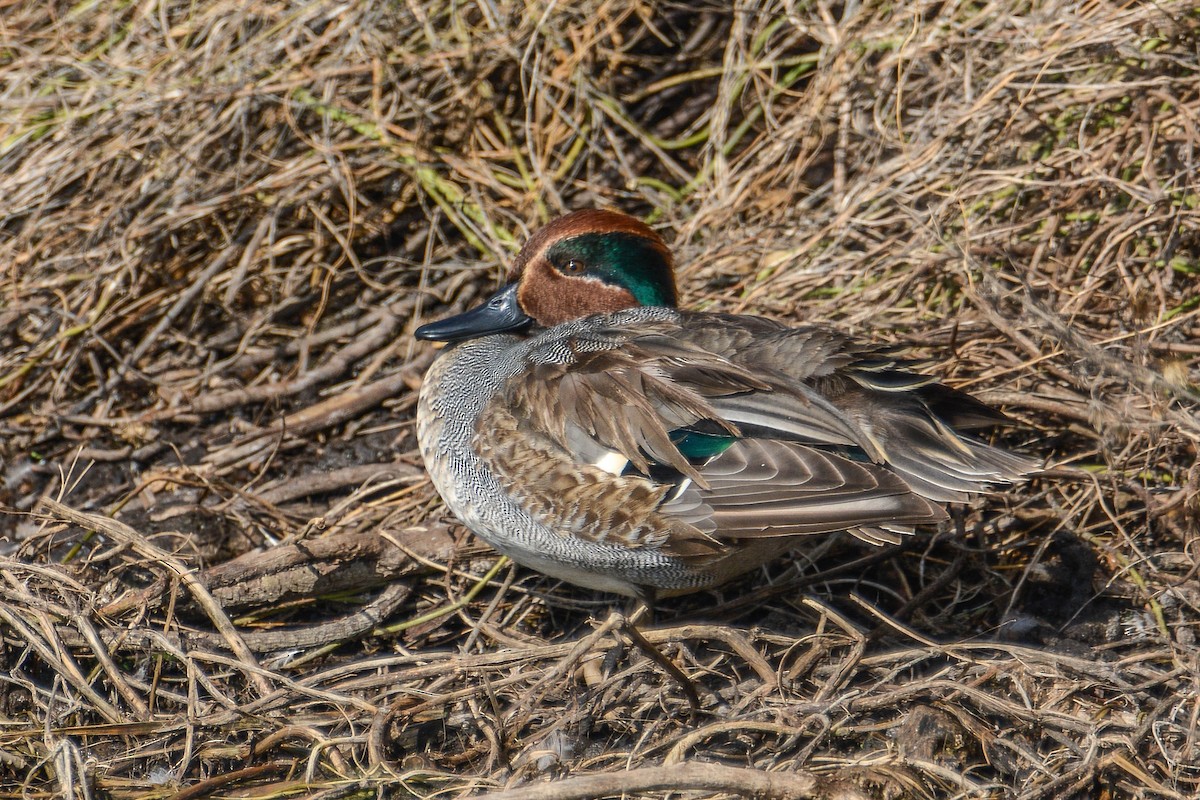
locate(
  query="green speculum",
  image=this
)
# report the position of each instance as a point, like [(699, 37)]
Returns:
[(695, 446)]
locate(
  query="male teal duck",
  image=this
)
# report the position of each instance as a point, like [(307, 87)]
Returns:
[(587, 428)]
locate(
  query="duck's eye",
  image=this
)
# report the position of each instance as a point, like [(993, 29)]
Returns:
[(574, 267)]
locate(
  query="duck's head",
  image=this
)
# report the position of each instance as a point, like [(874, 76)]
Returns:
[(587, 262)]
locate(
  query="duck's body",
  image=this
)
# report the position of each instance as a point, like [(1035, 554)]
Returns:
[(645, 450)]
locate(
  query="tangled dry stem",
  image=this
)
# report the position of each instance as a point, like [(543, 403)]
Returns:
[(224, 572)]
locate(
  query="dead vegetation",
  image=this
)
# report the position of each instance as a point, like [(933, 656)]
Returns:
[(224, 573)]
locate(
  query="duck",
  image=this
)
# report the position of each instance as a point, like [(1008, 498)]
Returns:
[(583, 424)]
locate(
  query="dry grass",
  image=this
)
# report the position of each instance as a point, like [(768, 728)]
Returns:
[(219, 223)]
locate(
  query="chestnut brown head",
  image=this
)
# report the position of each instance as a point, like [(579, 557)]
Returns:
[(587, 262)]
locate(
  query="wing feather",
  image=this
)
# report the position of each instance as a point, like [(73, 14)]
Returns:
[(830, 435), (764, 487)]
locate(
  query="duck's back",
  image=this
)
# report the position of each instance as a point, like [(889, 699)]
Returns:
[(655, 449)]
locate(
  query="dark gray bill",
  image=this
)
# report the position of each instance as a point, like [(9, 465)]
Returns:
[(500, 313)]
